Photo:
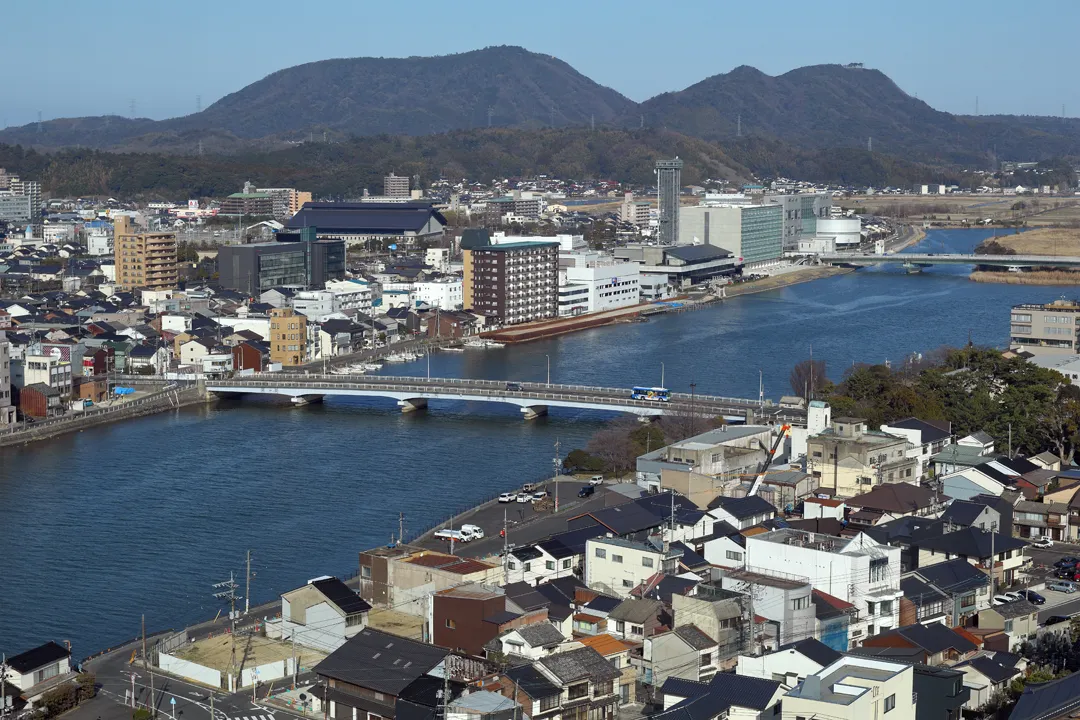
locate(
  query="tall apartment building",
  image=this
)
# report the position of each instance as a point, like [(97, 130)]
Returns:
[(15, 208), (518, 206), (286, 202), (753, 233), (669, 187), (396, 186), (288, 337), (143, 260), (510, 282), (7, 410), (1051, 329), (634, 211), (30, 189)]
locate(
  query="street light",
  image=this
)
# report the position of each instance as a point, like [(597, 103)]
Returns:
[(548, 369), (661, 373)]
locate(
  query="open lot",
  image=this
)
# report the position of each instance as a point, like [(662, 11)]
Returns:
[(396, 623), (251, 651), (1042, 241)]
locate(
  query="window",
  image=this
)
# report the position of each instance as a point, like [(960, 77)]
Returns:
[(527, 567), (616, 558), (732, 555), (637, 630), (365, 572), (647, 562), (886, 607), (706, 659), (1008, 626), (566, 564), (800, 603), (601, 553), (452, 624), (576, 692), (890, 702), (870, 607), (628, 583), (620, 626), (512, 565), (549, 702), (603, 688), (878, 569), (550, 564)]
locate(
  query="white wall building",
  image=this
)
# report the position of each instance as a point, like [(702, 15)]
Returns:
[(7, 411), (594, 285), (438, 259), (858, 571), (445, 293), (616, 566), (351, 295), (567, 243), (314, 304), (50, 370), (845, 232), (854, 688), (99, 241)]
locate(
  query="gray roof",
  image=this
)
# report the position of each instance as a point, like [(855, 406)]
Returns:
[(380, 661), (580, 664), (1015, 609), (636, 610), (694, 637), (540, 634), (1048, 700), (697, 253), (981, 436)]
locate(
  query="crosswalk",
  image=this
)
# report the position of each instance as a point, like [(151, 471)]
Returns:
[(251, 717)]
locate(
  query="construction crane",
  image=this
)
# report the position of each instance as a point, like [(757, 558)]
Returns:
[(784, 430)]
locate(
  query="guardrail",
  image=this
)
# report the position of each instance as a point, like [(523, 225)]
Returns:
[(153, 398)]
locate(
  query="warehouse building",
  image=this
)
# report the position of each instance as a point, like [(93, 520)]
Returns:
[(360, 223)]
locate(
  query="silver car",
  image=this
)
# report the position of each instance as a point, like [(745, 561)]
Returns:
[(1063, 587)]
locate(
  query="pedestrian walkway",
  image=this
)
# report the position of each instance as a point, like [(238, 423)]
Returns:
[(268, 716)]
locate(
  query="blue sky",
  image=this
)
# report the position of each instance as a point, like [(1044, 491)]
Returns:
[(98, 57)]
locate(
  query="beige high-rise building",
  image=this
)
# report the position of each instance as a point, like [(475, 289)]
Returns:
[(396, 186), (288, 337), (143, 260)]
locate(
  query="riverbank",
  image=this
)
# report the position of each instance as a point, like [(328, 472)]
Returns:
[(149, 405), (1034, 277), (775, 282)]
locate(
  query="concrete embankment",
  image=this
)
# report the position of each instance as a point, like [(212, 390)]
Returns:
[(148, 405)]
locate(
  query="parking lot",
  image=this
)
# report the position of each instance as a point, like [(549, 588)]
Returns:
[(1042, 570)]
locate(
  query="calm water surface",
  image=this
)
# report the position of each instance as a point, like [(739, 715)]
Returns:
[(142, 517)]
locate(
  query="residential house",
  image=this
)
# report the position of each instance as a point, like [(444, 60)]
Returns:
[(966, 585), (787, 488), (721, 614), (616, 652), (725, 696), (962, 514), (927, 438), (1042, 519), (856, 570), (979, 440), (532, 641), (985, 550), (923, 602), (193, 351), (782, 604), (724, 547), (561, 597), (478, 705), (1047, 461), (743, 512), (854, 688), (364, 677), (954, 458), (147, 359), (935, 642), (322, 614), (404, 576), (685, 652), (849, 459), (730, 450), (616, 566), (940, 692), (1017, 620), (1054, 700), (560, 555), (837, 621), (464, 618), (36, 671), (40, 401), (635, 619), (988, 675), (891, 501), (251, 355), (790, 664), (581, 684)]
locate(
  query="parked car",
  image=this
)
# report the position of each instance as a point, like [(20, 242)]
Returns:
[(1065, 573), (475, 532), (596, 480), (1034, 598), (586, 491), (539, 495), (1042, 542), (524, 497), (1062, 587), (1055, 619), (1014, 595), (507, 497), (1002, 600), (1067, 561)]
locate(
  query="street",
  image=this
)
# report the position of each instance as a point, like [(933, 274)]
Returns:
[(174, 698)]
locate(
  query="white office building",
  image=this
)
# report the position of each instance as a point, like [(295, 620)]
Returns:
[(591, 283), (314, 304), (438, 259), (99, 241), (567, 243), (846, 233), (444, 293), (351, 295)]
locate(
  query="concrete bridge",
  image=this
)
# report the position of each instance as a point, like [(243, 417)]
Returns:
[(534, 399), (917, 261)]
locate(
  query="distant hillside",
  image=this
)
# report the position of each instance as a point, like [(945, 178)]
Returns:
[(342, 170), (371, 96), (826, 106)]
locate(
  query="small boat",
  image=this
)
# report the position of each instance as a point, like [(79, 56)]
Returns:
[(396, 358), (454, 348), (371, 367)]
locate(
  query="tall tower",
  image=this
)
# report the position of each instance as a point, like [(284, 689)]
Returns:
[(668, 185)]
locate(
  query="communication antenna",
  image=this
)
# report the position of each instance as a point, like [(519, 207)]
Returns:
[(198, 103), (642, 121), (869, 144), (131, 107), (39, 122), (976, 104), (200, 147), (592, 122), (552, 116), (490, 112), (738, 126)]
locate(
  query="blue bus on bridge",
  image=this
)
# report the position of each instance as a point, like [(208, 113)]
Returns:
[(650, 393)]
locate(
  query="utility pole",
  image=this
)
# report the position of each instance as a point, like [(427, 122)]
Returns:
[(555, 462), (146, 668), (247, 585), (3, 687), (228, 592), (693, 409), (400, 527), (506, 551)]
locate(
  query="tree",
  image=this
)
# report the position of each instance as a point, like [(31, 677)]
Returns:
[(581, 460), (807, 377), (615, 448)]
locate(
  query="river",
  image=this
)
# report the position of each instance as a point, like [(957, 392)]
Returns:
[(99, 527)]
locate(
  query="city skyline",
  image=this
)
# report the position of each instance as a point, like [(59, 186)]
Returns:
[(190, 61)]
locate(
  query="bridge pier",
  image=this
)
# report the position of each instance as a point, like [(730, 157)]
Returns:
[(532, 412), (301, 400), (412, 404)]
